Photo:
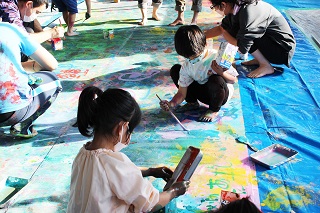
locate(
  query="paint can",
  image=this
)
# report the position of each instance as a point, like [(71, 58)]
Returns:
[(56, 43), (108, 34), (226, 54)]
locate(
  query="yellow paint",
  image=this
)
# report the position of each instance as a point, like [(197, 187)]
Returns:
[(178, 146), (221, 168), (278, 199), (207, 147), (34, 159), (227, 129), (159, 31), (272, 179)]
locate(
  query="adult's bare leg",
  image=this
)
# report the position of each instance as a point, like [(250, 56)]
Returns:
[(179, 20), (194, 18), (155, 15), (88, 5), (71, 31), (144, 16)]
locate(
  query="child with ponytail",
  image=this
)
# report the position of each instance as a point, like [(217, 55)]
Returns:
[(103, 178)]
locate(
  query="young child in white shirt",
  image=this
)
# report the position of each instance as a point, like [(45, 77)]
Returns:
[(104, 179), (199, 77)]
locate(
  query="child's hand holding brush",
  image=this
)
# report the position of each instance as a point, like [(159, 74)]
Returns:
[(164, 104), (58, 32)]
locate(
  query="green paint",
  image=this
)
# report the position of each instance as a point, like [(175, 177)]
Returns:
[(219, 183), (211, 184)]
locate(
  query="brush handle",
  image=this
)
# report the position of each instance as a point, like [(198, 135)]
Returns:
[(64, 38), (175, 117)]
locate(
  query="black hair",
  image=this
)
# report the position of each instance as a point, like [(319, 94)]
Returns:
[(243, 205), (233, 2), (99, 112), (37, 3), (189, 40)]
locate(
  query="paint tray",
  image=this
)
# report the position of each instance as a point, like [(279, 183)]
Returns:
[(273, 156), (186, 166), (10, 186)]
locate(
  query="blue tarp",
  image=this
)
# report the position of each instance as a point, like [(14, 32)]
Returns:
[(285, 108)]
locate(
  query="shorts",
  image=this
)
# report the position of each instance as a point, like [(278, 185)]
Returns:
[(67, 5)]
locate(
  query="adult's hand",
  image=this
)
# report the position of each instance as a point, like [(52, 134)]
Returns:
[(87, 16), (57, 32)]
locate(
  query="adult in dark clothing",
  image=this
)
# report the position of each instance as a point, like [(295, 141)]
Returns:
[(258, 28)]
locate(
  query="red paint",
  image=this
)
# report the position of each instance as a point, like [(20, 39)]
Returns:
[(72, 73)]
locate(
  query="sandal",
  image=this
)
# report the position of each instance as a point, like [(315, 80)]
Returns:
[(188, 107), (15, 130)]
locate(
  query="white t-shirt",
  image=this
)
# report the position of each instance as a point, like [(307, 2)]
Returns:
[(200, 71), (107, 181)]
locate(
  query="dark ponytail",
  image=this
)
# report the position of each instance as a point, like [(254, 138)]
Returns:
[(102, 114), (87, 110)]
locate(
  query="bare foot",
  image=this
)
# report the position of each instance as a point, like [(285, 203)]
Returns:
[(208, 116), (262, 70), (193, 22), (156, 17), (143, 22), (250, 63), (73, 33), (176, 22)]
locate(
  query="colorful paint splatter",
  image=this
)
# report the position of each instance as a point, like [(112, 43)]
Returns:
[(137, 59)]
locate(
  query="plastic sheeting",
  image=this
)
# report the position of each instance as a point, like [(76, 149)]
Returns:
[(284, 108)]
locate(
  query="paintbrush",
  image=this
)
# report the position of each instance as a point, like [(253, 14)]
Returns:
[(175, 117), (64, 38)]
